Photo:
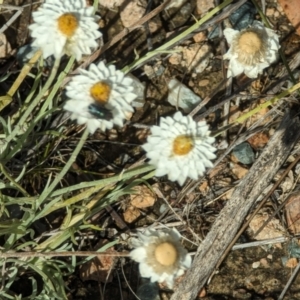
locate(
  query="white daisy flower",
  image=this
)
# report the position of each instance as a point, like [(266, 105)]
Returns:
[(251, 50), (160, 255), (100, 97), (180, 148), (65, 27)]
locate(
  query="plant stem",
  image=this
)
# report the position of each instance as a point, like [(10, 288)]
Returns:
[(63, 172), (32, 106)]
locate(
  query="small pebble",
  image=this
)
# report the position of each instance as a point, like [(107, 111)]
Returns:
[(243, 16), (203, 6), (291, 263), (148, 291), (163, 208), (133, 11), (223, 145), (203, 82), (25, 53), (199, 37), (195, 57), (240, 19), (181, 96), (111, 4), (270, 11), (244, 153), (264, 262), (139, 90), (175, 3), (238, 170)]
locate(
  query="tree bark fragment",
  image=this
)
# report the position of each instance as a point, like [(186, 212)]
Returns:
[(237, 208)]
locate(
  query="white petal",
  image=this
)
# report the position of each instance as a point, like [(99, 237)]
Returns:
[(253, 72), (175, 234), (272, 56), (138, 254), (187, 262), (234, 68), (230, 34), (93, 125), (146, 271)]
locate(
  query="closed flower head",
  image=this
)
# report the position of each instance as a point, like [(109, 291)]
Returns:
[(251, 50), (251, 47), (160, 255)]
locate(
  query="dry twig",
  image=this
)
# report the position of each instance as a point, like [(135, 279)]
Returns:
[(233, 214)]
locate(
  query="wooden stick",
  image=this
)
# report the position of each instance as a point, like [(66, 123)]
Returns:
[(237, 208)]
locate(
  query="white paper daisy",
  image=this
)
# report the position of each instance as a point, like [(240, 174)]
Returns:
[(100, 97), (251, 50), (65, 27), (160, 255), (180, 148)]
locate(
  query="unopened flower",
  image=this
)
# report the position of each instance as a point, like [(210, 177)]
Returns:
[(251, 50), (100, 97), (65, 27), (180, 148), (160, 255)]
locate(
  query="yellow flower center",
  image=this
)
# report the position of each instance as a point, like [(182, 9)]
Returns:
[(166, 254), (182, 145), (67, 24), (100, 92), (250, 42)]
